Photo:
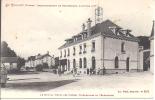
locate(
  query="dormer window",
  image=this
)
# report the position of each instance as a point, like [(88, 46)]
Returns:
[(79, 37), (85, 35), (113, 29)]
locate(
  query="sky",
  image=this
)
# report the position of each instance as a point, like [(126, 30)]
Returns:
[(37, 26)]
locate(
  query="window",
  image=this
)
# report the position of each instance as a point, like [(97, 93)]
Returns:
[(93, 63), (74, 63), (60, 54), (113, 29), (93, 46), (85, 35), (80, 52), (122, 47), (116, 62), (68, 52), (74, 50), (84, 46), (64, 53), (68, 65), (85, 62), (80, 63), (79, 38)]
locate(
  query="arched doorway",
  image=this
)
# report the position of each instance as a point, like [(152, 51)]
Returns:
[(127, 64), (116, 62)]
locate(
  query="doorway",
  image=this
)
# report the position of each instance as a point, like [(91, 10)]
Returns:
[(116, 62), (127, 64)]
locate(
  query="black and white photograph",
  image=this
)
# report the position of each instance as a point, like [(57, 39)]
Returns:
[(77, 49)]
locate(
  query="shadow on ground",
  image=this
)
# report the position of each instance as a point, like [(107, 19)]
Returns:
[(24, 73), (23, 79), (39, 86)]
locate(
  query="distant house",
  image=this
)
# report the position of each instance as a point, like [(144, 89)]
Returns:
[(9, 62), (39, 59), (30, 62), (152, 49)]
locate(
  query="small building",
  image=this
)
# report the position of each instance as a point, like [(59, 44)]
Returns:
[(152, 49), (30, 62), (10, 63), (39, 59)]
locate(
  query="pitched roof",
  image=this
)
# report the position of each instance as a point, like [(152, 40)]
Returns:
[(9, 59), (31, 58), (42, 56), (104, 29)]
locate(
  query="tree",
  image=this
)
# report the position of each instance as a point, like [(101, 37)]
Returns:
[(39, 67), (6, 51), (45, 65), (20, 63), (144, 41)]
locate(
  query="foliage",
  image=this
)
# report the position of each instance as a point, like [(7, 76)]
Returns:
[(144, 41), (45, 65), (39, 67), (20, 63), (6, 51)]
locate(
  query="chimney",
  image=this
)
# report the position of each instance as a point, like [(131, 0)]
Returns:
[(89, 26), (48, 52), (83, 27)]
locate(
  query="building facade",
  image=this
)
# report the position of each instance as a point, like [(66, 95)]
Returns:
[(33, 61), (152, 50), (104, 46), (10, 63)]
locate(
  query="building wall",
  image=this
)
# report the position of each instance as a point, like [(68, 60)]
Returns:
[(88, 55), (152, 55), (141, 54), (112, 49), (107, 49), (33, 63), (10, 66), (49, 60)]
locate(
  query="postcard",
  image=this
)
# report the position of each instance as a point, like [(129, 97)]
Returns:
[(77, 49)]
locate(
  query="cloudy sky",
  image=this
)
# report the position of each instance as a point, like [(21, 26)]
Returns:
[(30, 29)]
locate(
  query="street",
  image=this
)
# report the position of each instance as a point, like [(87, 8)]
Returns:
[(45, 81), (49, 85)]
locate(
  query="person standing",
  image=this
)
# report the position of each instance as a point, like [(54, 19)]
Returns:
[(3, 74)]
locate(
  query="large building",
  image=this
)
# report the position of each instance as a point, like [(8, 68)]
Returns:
[(102, 47), (152, 49)]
